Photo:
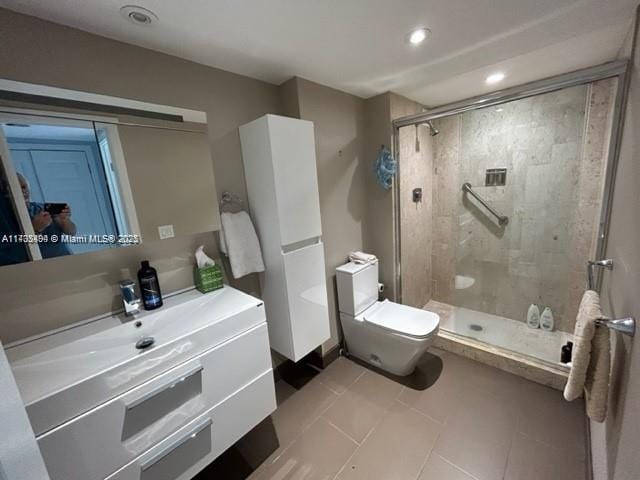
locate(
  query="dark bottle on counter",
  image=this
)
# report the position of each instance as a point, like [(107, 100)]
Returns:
[(149, 286)]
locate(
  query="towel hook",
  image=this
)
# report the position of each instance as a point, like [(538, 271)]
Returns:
[(626, 326)]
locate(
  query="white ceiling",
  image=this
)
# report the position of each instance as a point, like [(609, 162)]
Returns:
[(359, 46)]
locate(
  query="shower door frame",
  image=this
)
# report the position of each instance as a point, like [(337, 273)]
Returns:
[(619, 69)]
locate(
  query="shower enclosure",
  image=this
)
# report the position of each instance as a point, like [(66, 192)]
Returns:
[(515, 191)]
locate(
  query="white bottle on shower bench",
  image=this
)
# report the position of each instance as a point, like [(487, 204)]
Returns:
[(533, 316), (546, 320)]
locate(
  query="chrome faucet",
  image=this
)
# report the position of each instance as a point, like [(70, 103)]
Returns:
[(130, 299)]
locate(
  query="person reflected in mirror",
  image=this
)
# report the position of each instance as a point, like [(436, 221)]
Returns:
[(10, 252), (46, 224)]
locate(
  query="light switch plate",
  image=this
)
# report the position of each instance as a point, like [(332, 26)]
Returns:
[(165, 231)]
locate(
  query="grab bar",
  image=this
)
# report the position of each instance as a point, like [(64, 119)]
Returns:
[(502, 219), (626, 326)]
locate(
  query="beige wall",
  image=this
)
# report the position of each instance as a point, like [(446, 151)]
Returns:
[(615, 444), (415, 171), (379, 235), (44, 295), (339, 128)]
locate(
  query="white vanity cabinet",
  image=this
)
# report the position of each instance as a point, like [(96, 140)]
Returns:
[(164, 412)]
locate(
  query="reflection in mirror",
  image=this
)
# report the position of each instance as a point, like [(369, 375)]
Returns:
[(69, 185), (10, 252)]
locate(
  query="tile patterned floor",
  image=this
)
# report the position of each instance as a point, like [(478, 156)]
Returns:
[(472, 423)]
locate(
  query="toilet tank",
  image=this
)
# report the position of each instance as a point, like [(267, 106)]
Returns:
[(357, 287)]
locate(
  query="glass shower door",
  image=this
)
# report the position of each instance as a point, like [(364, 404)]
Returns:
[(540, 163)]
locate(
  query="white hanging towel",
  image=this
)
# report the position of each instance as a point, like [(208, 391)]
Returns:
[(361, 257), (241, 242), (223, 242), (591, 359)]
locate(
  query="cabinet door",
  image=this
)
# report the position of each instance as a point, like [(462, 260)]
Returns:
[(307, 298), (296, 178)]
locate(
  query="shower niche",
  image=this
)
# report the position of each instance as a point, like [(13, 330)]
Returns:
[(495, 177)]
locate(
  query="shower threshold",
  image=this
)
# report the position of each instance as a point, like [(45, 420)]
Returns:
[(503, 343)]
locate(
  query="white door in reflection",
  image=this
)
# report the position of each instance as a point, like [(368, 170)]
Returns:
[(69, 174)]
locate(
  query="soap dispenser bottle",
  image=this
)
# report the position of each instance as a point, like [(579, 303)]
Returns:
[(546, 320), (533, 316), (149, 286)]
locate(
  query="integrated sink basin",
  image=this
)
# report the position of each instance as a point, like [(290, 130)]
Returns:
[(64, 374)]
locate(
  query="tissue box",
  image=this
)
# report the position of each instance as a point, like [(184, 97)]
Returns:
[(208, 279)]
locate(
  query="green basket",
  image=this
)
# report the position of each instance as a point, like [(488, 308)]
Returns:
[(208, 279)]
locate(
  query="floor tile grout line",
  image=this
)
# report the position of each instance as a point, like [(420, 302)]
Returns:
[(341, 431), (346, 388), (549, 445), (426, 458), (506, 462), (442, 423), (356, 450), (304, 429), (456, 466)]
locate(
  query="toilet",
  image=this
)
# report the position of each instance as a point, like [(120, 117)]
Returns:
[(387, 335)]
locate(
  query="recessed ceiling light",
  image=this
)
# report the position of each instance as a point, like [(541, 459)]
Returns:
[(499, 109), (138, 15), (418, 36), (495, 78)]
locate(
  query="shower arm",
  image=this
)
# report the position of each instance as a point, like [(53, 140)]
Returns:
[(503, 220)]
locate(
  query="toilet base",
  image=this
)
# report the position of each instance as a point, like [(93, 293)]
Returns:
[(392, 352)]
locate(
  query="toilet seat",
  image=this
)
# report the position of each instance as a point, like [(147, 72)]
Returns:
[(409, 321)]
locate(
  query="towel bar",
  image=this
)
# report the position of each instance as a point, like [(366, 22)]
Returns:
[(626, 326)]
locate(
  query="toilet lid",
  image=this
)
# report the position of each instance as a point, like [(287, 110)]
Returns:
[(403, 319)]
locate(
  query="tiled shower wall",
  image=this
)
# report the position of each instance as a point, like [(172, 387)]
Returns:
[(554, 148), (415, 171)]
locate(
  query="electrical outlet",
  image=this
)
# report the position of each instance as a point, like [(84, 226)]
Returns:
[(165, 231)]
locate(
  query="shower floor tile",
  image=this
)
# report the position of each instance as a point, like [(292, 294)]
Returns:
[(453, 419)]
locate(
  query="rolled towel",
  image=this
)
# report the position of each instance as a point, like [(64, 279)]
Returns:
[(590, 363), (361, 257)]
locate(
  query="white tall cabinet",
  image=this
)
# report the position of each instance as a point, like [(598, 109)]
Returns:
[(280, 169)]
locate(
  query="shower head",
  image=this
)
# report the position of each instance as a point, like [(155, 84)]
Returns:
[(429, 123)]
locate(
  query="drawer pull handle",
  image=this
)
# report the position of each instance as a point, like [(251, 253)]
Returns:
[(175, 445), (143, 398)]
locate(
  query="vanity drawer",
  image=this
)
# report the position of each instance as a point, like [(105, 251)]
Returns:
[(97, 443), (183, 454)]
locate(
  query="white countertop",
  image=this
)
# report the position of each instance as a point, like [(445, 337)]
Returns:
[(49, 364)]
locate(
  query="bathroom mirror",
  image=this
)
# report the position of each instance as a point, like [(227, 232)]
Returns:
[(79, 184)]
